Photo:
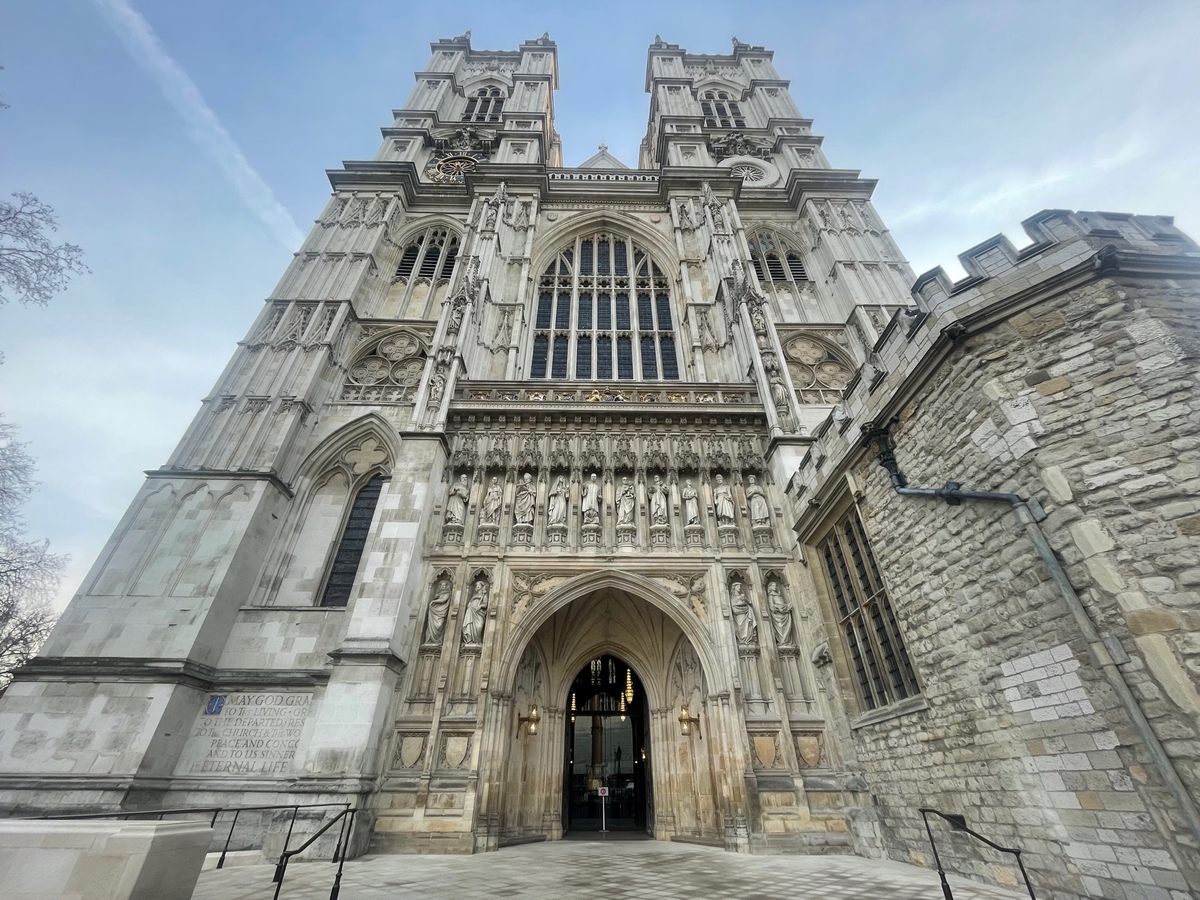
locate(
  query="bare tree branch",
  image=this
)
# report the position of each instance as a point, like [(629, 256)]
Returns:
[(32, 268), (29, 572)]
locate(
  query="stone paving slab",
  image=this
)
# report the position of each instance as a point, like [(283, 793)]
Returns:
[(595, 870)]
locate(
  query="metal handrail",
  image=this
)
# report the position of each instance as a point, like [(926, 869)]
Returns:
[(958, 822), (339, 854), (340, 850)]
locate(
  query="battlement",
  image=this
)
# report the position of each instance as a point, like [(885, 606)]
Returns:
[(998, 256), (1068, 249)]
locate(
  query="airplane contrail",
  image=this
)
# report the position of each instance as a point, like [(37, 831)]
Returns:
[(205, 128)]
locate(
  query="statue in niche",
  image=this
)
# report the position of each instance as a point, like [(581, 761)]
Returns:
[(757, 320), (658, 502), (626, 499), (439, 610), (691, 504), (489, 219), (685, 217), (744, 624), (492, 502), (591, 501), (526, 497), (521, 221), (760, 513), (375, 216), (458, 309), (779, 391), (723, 502), (557, 514), (781, 616), (475, 614), (456, 503), (437, 386)]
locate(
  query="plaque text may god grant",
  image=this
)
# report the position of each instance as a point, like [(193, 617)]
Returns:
[(247, 733)]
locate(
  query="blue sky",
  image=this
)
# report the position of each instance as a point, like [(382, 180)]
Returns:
[(185, 174)]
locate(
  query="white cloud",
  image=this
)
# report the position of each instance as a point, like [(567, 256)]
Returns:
[(206, 129)]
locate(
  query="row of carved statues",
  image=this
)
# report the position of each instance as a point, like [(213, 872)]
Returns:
[(558, 502), (745, 621)]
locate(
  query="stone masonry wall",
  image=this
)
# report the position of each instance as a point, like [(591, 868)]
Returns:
[(1023, 734), (1086, 400)]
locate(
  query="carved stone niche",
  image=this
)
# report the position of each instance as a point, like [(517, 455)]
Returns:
[(763, 539), (627, 536), (728, 535), (810, 749), (589, 535)]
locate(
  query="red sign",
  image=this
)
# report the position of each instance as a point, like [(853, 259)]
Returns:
[(603, 792)]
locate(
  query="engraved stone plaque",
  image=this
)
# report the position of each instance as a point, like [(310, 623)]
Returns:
[(246, 733)]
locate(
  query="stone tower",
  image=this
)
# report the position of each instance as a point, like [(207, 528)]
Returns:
[(493, 506)]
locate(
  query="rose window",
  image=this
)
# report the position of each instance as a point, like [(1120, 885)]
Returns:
[(389, 373), (818, 375), (748, 172)]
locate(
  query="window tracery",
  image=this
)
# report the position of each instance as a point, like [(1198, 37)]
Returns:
[(774, 260), (389, 372), (603, 311), (819, 375), (485, 106), (350, 547), (720, 110), (430, 254)]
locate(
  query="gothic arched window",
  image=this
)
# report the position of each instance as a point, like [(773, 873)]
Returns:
[(720, 110), (352, 543), (430, 254), (774, 261), (485, 106), (604, 311)]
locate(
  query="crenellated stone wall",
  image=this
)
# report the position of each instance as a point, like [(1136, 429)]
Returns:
[(1066, 372)]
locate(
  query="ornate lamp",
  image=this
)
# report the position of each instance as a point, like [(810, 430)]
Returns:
[(687, 720), (532, 719)]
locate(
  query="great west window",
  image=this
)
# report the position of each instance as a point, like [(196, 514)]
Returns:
[(871, 635), (603, 311)]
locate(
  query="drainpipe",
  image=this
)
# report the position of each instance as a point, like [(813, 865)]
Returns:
[(1107, 653)]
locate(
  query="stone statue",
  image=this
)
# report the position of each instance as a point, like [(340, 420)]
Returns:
[(685, 217), (743, 616), (557, 514), (658, 502), (521, 221), (781, 616), (691, 504), (437, 387), (591, 501), (456, 503), (526, 497), (757, 320), (439, 609), (492, 502), (626, 499), (723, 502), (475, 614), (760, 513)]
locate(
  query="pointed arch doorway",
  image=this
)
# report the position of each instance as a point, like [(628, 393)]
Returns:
[(606, 771)]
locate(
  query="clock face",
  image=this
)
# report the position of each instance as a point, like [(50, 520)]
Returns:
[(449, 166)]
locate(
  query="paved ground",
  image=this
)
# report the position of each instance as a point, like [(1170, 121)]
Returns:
[(578, 869)]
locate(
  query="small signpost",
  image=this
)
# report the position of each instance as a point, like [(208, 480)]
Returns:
[(603, 809)]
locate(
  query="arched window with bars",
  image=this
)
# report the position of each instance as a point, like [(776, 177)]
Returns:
[(603, 311), (774, 261), (485, 106), (340, 581), (430, 254), (720, 110)]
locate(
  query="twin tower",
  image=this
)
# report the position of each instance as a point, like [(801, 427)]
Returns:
[(493, 506)]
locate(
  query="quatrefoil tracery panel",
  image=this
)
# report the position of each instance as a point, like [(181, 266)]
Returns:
[(388, 373)]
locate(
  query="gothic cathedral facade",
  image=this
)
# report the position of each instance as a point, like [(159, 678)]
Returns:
[(498, 504)]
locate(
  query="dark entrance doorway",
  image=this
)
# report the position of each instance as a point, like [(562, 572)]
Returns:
[(607, 746)]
